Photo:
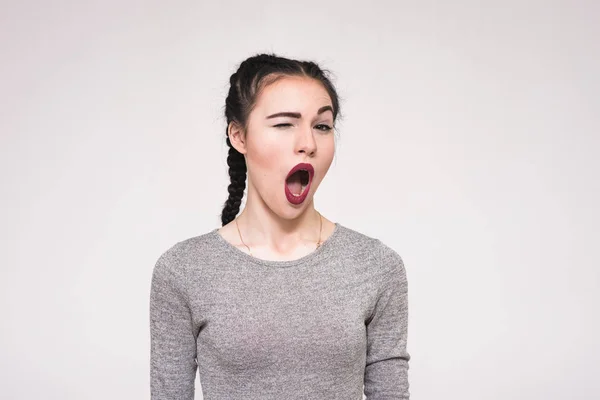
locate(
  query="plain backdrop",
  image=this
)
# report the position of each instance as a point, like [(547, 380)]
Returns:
[(469, 143)]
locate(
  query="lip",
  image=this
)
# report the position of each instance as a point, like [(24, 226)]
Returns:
[(311, 172)]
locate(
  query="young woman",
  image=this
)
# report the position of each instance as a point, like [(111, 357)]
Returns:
[(279, 302)]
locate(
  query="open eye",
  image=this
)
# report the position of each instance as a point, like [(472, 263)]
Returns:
[(323, 127)]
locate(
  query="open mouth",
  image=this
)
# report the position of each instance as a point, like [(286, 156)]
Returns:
[(297, 182)]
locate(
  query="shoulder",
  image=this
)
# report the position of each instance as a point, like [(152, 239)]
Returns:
[(353, 239), (392, 263), (176, 259), (388, 259)]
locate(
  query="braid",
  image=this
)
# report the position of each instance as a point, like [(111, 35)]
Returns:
[(237, 176)]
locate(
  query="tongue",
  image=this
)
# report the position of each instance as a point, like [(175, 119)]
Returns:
[(294, 184)]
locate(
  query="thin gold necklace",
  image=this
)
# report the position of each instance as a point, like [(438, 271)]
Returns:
[(319, 243)]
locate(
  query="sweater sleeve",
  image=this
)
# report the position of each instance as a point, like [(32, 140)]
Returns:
[(173, 345), (386, 370)]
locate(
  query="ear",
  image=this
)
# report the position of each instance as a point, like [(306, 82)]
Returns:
[(237, 137)]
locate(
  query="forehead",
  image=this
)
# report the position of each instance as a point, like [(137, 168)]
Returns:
[(295, 93)]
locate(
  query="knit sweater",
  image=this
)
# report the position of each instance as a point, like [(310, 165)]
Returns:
[(329, 325)]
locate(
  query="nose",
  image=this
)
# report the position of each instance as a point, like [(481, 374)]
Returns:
[(306, 142)]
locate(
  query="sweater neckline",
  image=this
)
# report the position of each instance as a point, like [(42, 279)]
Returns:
[(312, 256)]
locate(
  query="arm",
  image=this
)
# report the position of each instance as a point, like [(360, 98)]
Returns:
[(173, 345), (386, 370)]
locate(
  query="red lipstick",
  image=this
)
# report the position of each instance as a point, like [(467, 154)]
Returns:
[(298, 199)]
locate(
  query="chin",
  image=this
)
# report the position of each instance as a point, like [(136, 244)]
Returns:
[(292, 211)]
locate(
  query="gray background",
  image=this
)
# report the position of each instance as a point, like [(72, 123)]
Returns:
[(469, 144)]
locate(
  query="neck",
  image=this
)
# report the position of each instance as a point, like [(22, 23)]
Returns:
[(261, 226)]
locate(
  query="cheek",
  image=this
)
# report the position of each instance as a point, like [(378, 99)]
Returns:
[(265, 160), (327, 149), (330, 148)]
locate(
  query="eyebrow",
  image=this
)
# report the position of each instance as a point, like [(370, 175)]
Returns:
[(297, 114)]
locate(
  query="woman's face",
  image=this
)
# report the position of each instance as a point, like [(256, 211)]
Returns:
[(290, 124)]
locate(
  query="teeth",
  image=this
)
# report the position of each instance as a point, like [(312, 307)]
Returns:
[(301, 193)]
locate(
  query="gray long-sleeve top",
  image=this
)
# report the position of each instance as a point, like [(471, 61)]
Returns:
[(319, 327)]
